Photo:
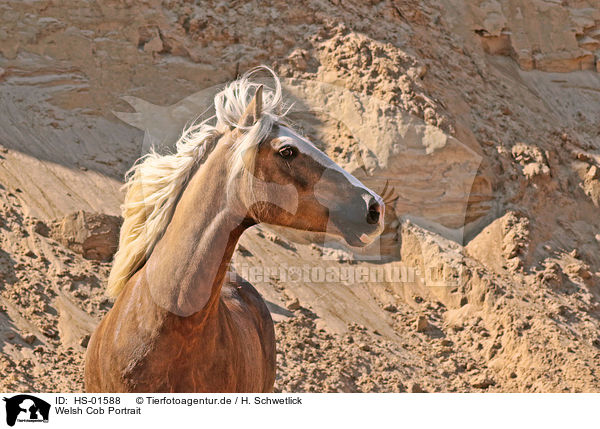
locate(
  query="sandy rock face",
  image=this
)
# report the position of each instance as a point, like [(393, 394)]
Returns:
[(543, 35), (502, 244), (591, 185), (93, 235)]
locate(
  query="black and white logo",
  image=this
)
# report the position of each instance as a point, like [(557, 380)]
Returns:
[(26, 408)]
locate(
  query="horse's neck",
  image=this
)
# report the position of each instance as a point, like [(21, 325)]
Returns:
[(185, 271)]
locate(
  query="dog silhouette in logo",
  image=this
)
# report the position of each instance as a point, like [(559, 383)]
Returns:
[(31, 405)]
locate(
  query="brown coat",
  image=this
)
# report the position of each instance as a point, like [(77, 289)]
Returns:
[(230, 349)]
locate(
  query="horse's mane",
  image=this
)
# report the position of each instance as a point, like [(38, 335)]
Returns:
[(155, 182)]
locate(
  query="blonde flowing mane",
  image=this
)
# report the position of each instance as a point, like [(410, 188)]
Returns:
[(155, 182)]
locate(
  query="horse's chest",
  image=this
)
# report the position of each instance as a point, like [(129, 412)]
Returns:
[(233, 351)]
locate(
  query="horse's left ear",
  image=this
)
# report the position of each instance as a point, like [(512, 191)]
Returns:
[(254, 110)]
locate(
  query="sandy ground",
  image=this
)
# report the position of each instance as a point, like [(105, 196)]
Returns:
[(486, 127)]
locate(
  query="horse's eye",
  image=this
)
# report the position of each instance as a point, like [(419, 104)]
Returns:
[(287, 152)]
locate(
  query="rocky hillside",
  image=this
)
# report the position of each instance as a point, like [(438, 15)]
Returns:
[(483, 116)]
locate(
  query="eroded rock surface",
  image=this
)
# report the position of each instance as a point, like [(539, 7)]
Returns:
[(93, 235)]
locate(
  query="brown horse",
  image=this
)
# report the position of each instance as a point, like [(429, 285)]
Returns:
[(179, 324)]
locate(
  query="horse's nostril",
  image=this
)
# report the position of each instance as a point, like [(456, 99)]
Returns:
[(374, 212)]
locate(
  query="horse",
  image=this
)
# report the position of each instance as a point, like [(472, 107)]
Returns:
[(179, 323)]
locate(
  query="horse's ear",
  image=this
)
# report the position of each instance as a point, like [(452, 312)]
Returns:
[(254, 110)]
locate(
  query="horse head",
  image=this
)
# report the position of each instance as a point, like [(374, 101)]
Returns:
[(283, 179)]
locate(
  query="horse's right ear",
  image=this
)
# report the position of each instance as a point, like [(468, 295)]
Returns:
[(254, 110)]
